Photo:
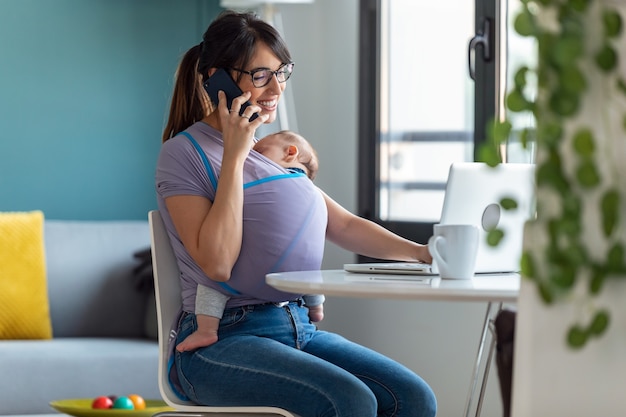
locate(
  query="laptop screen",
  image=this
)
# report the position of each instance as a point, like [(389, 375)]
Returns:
[(473, 194)]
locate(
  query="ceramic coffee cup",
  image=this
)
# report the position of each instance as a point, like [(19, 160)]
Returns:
[(453, 248)]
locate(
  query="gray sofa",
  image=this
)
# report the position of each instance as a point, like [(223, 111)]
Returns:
[(103, 321)]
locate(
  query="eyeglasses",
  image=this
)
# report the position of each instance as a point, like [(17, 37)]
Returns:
[(262, 76)]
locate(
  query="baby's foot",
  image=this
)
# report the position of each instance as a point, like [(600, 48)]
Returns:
[(197, 340)]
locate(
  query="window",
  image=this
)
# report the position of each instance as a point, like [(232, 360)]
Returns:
[(426, 97)]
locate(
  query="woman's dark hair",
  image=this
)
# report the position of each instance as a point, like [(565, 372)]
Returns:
[(229, 42)]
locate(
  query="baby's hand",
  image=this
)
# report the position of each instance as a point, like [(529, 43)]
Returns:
[(316, 313)]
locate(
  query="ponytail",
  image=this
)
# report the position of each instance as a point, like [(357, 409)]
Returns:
[(190, 102)]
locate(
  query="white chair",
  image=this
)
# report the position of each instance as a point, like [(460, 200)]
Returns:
[(168, 302)]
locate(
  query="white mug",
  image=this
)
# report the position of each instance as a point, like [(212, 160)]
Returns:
[(454, 248)]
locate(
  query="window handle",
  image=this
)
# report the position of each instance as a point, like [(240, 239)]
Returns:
[(482, 38)]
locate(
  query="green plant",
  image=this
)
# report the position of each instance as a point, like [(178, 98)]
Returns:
[(574, 53)]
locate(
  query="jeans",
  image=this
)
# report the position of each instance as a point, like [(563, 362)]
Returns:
[(273, 356)]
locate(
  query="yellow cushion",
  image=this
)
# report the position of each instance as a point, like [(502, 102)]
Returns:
[(24, 309)]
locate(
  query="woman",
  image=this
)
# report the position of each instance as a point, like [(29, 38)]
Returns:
[(233, 215)]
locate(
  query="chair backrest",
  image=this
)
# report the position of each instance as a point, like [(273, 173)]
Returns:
[(168, 303)]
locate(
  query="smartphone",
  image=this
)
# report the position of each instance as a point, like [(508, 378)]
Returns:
[(221, 80)]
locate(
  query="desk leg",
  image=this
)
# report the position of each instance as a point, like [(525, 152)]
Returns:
[(492, 311)]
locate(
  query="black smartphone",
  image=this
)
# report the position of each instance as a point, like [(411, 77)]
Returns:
[(221, 80)]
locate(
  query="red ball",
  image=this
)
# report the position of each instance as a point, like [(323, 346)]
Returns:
[(102, 402)]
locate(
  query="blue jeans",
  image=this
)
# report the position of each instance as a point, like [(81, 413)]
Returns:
[(273, 356)]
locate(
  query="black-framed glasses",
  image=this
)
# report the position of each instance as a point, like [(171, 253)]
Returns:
[(262, 76)]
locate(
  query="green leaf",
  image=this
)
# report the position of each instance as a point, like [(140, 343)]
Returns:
[(527, 136), (576, 254), (587, 174), (550, 133), (563, 276), (615, 258), (606, 58), (488, 154), (621, 86), (598, 276), (567, 50), (599, 323), (576, 337), (516, 102), (572, 206), (494, 237), (584, 143), (545, 293), (571, 21), (578, 5), (508, 203), (564, 103), (528, 265), (572, 79), (524, 23), (519, 79), (612, 23), (549, 173), (609, 207), (501, 131)]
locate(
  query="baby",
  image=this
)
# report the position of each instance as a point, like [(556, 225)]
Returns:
[(293, 152)]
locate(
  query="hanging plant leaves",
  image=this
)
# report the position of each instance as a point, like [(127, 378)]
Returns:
[(612, 23), (609, 207), (489, 154), (527, 137), (520, 78), (551, 133), (599, 323), (615, 261), (587, 174), (545, 293), (527, 265), (578, 5), (606, 58), (524, 23), (501, 131), (572, 80), (494, 237), (564, 103), (577, 336), (583, 143), (561, 81), (567, 50), (516, 101), (508, 203), (563, 276), (621, 86), (597, 280)]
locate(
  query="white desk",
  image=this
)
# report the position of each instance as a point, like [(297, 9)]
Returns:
[(492, 289)]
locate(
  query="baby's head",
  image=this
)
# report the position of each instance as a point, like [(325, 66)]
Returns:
[(288, 149)]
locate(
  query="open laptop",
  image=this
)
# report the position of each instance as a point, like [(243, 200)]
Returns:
[(473, 194)]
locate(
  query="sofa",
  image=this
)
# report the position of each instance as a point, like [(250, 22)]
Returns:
[(103, 320)]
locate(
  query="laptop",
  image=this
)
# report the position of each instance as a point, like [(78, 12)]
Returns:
[(472, 196)]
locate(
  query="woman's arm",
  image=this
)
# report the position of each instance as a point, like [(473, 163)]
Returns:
[(367, 238)]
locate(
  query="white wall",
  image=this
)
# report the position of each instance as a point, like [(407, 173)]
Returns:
[(438, 340)]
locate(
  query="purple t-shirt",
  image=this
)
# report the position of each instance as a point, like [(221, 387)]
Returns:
[(284, 217)]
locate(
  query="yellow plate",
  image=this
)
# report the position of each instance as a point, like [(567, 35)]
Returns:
[(81, 407)]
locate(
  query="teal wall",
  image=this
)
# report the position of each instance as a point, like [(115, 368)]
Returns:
[(84, 91)]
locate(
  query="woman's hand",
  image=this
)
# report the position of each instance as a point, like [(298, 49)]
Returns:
[(237, 130)]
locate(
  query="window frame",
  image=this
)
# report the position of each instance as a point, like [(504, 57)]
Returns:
[(486, 102)]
